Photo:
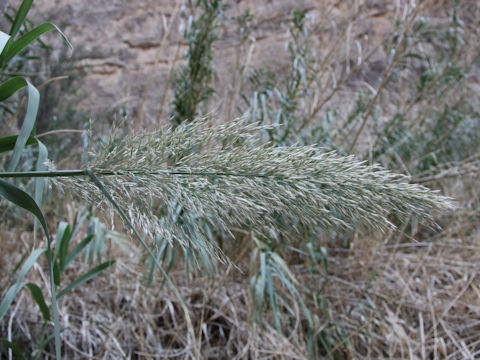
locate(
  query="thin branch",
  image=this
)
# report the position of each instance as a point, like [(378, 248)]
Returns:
[(60, 131), (386, 77)]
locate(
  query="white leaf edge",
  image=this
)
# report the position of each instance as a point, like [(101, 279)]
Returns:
[(3, 40)]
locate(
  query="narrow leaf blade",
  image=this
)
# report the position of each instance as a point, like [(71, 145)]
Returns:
[(63, 240), (20, 17), (15, 349), (76, 250), (7, 143), (22, 199), (19, 284), (40, 182), (56, 272), (89, 275), (18, 45), (27, 127), (39, 299), (11, 86)]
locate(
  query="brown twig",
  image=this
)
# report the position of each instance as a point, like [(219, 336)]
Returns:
[(386, 76)]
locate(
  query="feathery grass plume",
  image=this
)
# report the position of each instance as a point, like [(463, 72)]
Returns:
[(225, 176)]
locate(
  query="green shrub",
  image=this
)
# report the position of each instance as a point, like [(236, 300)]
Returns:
[(192, 84)]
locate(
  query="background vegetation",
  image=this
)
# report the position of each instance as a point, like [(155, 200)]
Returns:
[(275, 246)]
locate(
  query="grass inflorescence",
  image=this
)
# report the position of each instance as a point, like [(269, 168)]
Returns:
[(306, 212), (223, 174)]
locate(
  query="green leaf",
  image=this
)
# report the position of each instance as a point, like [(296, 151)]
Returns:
[(42, 345), (89, 275), (56, 272), (11, 86), (7, 89), (7, 143), (18, 45), (22, 199), (19, 284), (96, 248), (39, 181), (38, 297), (272, 293), (8, 17), (63, 240), (260, 286), (19, 263), (20, 17), (27, 126), (9, 296), (280, 271), (13, 347), (283, 267), (76, 250)]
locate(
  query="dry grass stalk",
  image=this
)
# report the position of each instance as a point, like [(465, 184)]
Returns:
[(420, 298), (380, 309)]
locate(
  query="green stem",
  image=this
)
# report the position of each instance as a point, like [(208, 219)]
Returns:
[(54, 298), (42, 337), (34, 174), (83, 172)]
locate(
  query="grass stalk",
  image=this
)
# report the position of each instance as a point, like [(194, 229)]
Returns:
[(81, 172), (386, 76)]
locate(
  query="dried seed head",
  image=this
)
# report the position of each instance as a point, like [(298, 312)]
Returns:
[(223, 176)]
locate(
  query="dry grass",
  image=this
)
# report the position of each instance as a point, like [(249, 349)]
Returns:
[(406, 294), (410, 300), (390, 300)]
